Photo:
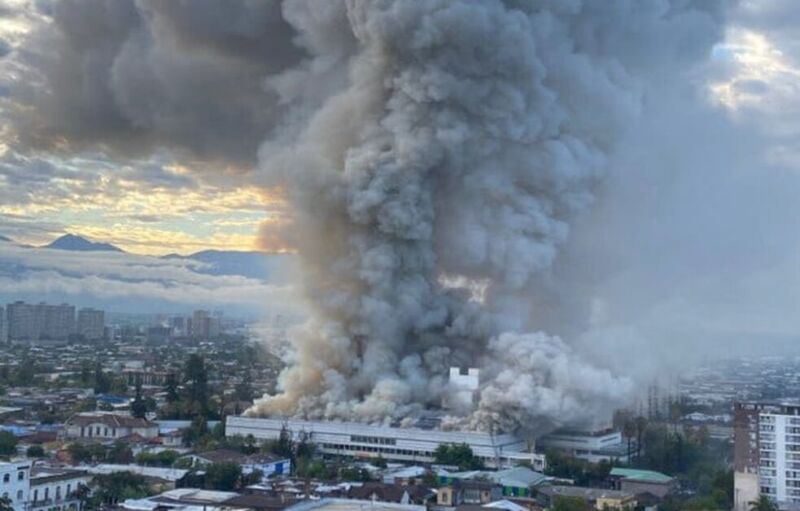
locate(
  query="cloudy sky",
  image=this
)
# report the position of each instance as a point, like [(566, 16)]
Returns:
[(107, 131), (140, 122)]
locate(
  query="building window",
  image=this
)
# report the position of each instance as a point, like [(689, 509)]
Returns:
[(58, 493), (105, 431), (46, 493), (6, 478), (35, 495), (19, 495), (97, 431), (5, 494), (20, 475), (69, 489)]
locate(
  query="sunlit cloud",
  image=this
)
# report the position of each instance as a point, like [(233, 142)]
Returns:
[(761, 76)]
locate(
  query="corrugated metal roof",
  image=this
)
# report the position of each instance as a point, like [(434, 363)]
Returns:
[(649, 476)]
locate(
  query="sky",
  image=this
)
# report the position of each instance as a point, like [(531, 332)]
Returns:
[(148, 199), (145, 124)]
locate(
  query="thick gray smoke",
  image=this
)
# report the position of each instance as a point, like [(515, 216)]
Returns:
[(436, 154), (446, 147)]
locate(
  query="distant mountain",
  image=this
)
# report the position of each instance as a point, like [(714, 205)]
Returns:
[(272, 268), (80, 244)]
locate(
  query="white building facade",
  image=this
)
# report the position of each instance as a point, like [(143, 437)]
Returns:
[(104, 426), (56, 489), (391, 443), (779, 455), (15, 483), (593, 447)]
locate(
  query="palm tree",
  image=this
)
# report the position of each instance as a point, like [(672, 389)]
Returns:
[(641, 427), (764, 503), (629, 430)]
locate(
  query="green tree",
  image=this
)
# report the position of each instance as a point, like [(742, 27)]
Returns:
[(119, 453), (6, 504), (35, 451), (351, 473), (561, 503), (282, 446), (102, 383), (8, 443), (139, 406), (112, 488), (379, 462), (82, 493), (254, 477), (196, 431), (641, 427), (223, 476), (171, 388), (763, 503), (244, 391), (628, 431), (196, 379), (459, 455), (160, 459)]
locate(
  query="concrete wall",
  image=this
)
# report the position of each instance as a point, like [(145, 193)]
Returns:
[(745, 490)]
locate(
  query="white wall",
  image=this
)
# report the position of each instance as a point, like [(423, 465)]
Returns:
[(14, 482)]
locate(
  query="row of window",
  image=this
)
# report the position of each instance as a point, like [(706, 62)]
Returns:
[(19, 496), (372, 440), (47, 492), (379, 450), (20, 476), (87, 432)]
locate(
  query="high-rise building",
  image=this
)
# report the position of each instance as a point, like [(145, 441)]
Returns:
[(178, 326), (91, 324), (59, 321), (766, 453), (3, 326), (34, 322), (203, 326)]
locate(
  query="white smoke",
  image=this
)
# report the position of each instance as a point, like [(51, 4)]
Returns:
[(454, 141)]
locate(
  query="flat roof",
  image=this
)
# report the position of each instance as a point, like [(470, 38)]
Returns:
[(432, 435), (649, 476), (352, 505)]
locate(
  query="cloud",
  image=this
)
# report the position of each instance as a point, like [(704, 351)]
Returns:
[(132, 282), (133, 76)]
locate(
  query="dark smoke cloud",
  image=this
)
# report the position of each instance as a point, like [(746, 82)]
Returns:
[(137, 75), (549, 157)]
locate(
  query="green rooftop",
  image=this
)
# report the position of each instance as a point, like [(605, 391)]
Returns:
[(648, 476)]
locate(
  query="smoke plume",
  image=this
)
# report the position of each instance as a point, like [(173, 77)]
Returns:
[(436, 155), (441, 147)]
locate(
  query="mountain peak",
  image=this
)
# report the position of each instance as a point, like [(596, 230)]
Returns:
[(79, 243)]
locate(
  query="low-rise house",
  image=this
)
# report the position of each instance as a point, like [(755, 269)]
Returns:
[(107, 427), (56, 489), (256, 502), (404, 475), (268, 464), (600, 499), (515, 482), (391, 493), (38, 488), (467, 491), (8, 413), (159, 478), (642, 481), (188, 499)]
